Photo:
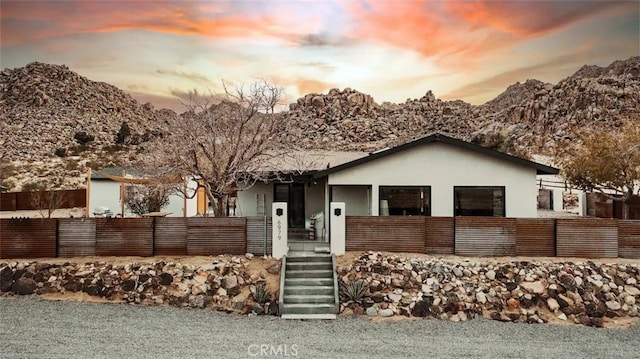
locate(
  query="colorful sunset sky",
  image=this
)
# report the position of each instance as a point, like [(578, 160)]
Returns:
[(394, 50)]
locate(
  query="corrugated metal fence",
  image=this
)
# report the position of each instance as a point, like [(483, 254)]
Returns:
[(469, 236), (259, 232), (394, 234)]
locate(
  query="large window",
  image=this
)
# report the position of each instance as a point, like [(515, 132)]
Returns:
[(405, 201), (479, 201)]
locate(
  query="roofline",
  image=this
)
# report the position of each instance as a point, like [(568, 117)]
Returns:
[(438, 137)]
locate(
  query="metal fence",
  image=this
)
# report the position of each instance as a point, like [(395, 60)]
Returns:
[(469, 236), (24, 201)]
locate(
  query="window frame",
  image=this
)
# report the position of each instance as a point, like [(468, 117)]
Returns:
[(504, 199), (427, 199)]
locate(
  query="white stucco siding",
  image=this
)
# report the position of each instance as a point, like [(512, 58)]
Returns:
[(443, 166), (105, 193), (255, 201), (314, 198), (357, 198)]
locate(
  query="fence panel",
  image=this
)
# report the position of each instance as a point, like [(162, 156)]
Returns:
[(210, 235), (485, 236), (259, 228), (124, 237), (587, 238), (76, 237), (170, 236), (439, 235), (8, 201), (391, 234), (629, 239), (536, 237), (28, 238)]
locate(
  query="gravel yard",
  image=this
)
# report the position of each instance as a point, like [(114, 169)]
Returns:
[(34, 328)]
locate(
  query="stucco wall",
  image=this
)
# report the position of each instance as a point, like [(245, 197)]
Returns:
[(249, 204), (357, 198), (443, 166), (106, 193)]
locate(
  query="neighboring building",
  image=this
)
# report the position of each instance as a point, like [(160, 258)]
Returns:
[(105, 194), (433, 176)]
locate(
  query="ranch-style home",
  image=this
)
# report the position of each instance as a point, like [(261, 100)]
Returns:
[(435, 175)]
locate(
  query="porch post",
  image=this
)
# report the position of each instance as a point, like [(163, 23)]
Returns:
[(338, 228), (280, 229), (375, 200)]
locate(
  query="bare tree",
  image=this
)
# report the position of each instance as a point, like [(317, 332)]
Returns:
[(225, 146), (141, 199), (606, 162), (47, 202)]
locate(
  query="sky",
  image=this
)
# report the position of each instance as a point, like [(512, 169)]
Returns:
[(472, 50)]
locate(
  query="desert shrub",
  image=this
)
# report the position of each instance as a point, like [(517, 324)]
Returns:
[(32, 186), (83, 138), (352, 291), (261, 294), (123, 133)]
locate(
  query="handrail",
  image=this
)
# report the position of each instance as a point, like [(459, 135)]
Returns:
[(283, 269)]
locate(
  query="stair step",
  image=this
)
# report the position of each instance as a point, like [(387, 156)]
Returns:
[(316, 273), (308, 257), (297, 308), (308, 299), (309, 290), (309, 266), (294, 282)]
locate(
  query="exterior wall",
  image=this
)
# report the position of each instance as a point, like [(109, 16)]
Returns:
[(106, 193), (443, 166), (250, 201), (314, 198), (356, 198)]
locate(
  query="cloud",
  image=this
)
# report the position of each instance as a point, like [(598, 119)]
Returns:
[(191, 76)]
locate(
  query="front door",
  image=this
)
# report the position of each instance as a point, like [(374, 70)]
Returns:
[(293, 194)]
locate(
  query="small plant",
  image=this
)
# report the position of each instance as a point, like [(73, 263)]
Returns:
[(352, 291), (261, 294)]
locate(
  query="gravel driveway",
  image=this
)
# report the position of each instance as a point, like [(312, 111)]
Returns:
[(33, 328)]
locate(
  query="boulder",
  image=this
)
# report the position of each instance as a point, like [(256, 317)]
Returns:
[(24, 286)]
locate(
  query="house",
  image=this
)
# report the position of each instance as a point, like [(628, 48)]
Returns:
[(106, 188), (435, 175)]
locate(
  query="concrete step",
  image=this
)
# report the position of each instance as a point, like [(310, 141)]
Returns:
[(308, 257), (316, 273), (309, 266), (308, 246), (298, 308), (309, 299), (309, 290), (295, 282)]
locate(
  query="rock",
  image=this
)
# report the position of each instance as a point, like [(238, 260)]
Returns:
[(24, 286), (230, 282), (421, 309), (552, 304), (128, 285), (274, 269), (562, 316), (613, 305), (481, 297), (358, 310), (632, 290), (457, 272), (491, 275), (630, 300), (371, 311), (513, 303), (533, 287), (249, 255), (386, 312), (6, 279), (394, 297), (166, 278)]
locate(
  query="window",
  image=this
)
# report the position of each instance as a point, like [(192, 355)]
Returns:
[(405, 201), (479, 201)]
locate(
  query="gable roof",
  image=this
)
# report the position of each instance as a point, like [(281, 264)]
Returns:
[(540, 168)]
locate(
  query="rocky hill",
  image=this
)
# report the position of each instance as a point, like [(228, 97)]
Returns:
[(56, 123)]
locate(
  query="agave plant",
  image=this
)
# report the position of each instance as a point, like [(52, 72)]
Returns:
[(352, 291), (261, 294)]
